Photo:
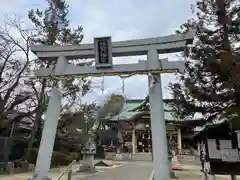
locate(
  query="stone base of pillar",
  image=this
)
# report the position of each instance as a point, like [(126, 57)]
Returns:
[(9, 167), (204, 176), (87, 164), (172, 173), (130, 156), (212, 177), (85, 168), (39, 178), (233, 177), (119, 157)]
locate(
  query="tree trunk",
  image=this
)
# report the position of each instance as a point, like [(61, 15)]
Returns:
[(33, 133), (38, 118)]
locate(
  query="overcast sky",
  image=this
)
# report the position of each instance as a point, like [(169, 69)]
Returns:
[(123, 20)]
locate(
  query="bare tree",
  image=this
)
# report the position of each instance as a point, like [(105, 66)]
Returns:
[(15, 95)]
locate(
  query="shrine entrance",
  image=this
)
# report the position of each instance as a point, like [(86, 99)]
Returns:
[(103, 50), (144, 143)]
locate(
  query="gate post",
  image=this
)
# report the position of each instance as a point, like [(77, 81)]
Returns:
[(159, 140), (48, 136), (50, 127)]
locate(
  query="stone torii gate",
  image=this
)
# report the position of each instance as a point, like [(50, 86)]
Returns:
[(103, 50)]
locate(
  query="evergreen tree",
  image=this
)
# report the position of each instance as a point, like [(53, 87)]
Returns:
[(53, 27), (211, 82)]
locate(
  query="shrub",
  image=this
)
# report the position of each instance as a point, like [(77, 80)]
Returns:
[(58, 158), (18, 147), (33, 156), (74, 156)]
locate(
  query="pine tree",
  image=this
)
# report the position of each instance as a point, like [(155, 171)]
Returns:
[(53, 27), (211, 82)]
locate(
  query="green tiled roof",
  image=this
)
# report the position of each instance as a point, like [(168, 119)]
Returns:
[(132, 104), (125, 115), (129, 106), (209, 126), (127, 112)]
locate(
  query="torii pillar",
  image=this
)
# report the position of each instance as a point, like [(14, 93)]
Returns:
[(158, 127)]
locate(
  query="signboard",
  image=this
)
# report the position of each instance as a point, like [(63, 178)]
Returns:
[(238, 138), (103, 52), (225, 144), (230, 155), (222, 156), (212, 149)]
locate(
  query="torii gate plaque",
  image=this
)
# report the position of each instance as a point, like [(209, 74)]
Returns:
[(103, 51)]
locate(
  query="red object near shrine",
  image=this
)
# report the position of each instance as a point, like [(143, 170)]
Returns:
[(176, 164)]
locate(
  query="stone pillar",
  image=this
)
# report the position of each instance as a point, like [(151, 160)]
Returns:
[(158, 127), (233, 177), (133, 141), (48, 136), (119, 148), (170, 135), (179, 135), (212, 177), (172, 174), (199, 148), (238, 137), (204, 176), (87, 163), (119, 155)]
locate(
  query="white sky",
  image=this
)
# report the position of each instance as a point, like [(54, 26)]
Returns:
[(123, 20)]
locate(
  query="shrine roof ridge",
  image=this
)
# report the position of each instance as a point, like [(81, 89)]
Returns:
[(139, 103)]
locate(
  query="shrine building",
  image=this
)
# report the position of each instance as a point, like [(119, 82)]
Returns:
[(133, 123)]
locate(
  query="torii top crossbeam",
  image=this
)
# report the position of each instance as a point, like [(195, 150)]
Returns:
[(165, 44)]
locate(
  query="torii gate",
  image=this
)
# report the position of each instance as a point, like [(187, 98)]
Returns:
[(103, 50)]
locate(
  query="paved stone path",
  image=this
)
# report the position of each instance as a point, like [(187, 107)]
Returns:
[(126, 171), (123, 171)]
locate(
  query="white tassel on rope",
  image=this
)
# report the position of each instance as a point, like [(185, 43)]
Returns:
[(152, 80)]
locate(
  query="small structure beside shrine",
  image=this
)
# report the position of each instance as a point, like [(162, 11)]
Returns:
[(219, 146)]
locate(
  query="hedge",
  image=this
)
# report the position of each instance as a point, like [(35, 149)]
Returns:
[(58, 158), (20, 145)]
